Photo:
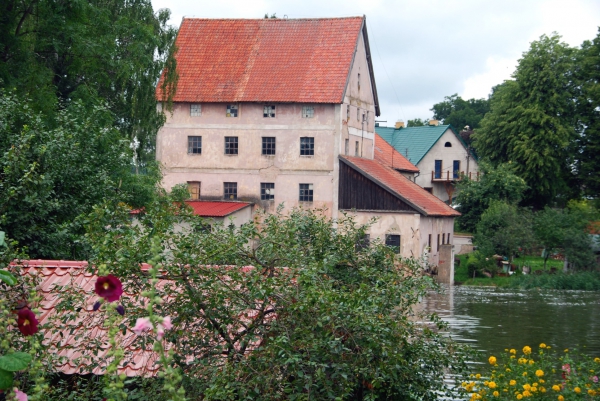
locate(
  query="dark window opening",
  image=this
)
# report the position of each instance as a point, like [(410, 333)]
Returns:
[(306, 193), (307, 146), (267, 191), (429, 242), (269, 111), (448, 145), (194, 145), (268, 145), (429, 189), (393, 241), (231, 145), (232, 110), (438, 243), (438, 169), (456, 168), (230, 190)]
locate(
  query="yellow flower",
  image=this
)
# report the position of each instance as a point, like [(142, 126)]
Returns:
[(485, 383), (591, 392), (478, 376), (531, 361), (597, 360), (539, 373), (492, 360), (527, 350), (522, 361), (524, 373), (526, 393), (556, 387), (512, 357), (543, 389), (542, 381), (561, 398), (542, 345), (527, 386), (492, 384), (577, 390), (519, 396), (514, 351), (533, 389), (566, 350)]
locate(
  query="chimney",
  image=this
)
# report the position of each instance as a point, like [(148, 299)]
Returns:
[(434, 123), (399, 124)]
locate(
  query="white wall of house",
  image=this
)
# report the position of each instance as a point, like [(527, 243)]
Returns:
[(441, 229), (440, 151)]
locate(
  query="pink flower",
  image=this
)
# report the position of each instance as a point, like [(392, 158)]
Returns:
[(595, 379), (109, 287), (141, 325), (160, 331), (19, 395), (27, 322), (167, 323)]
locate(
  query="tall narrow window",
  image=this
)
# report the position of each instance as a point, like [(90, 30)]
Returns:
[(267, 191), (194, 145), (307, 146), (231, 145), (230, 190), (448, 238), (438, 243), (195, 110), (429, 242), (438, 169), (356, 146), (358, 81), (306, 193), (194, 189), (357, 114), (269, 111), (347, 147), (348, 113), (232, 110), (308, 111), (456, 168), (393, 241), (268, 145)]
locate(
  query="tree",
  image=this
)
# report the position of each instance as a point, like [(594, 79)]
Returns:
[(282, 308), (532, 120), (417, 122), (503, 229), (53, 172), (475, 196), (459, 113)]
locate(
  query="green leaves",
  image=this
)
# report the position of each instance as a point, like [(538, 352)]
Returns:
[(7, 278), (6, 379), (15, 361)]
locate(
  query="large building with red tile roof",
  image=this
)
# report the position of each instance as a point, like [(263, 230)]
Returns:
[(276, 111)]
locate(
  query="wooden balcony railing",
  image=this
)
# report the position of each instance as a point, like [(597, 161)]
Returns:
[(444, 176)]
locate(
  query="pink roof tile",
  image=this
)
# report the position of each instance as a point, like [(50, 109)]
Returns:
[(396, 183), (259, 60), (387, 155), (215, 208)]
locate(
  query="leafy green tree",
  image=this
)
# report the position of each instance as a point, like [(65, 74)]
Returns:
[(417, 122), (459, 113), (112, 52), (283, 308), (51, 173), (532, 120), (504, 229), (475, 196)]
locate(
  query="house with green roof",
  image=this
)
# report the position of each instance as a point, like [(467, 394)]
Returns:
[(439, 152)]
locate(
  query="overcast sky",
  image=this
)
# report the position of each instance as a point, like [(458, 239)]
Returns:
[(425, 50)]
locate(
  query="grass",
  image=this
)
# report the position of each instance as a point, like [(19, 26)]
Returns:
[(588, 281)]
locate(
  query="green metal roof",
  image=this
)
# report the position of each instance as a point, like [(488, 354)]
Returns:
[(414, 142)]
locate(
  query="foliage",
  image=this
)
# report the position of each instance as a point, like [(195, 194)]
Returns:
[(503, 229), (284, 307), (495, 183), (549, 375), (53, 172), (417, 122), (583, 281), (478, 262), (110, 52), (459, 113), (532, 120)]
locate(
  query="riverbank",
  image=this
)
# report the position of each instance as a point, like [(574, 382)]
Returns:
[(549, 278)]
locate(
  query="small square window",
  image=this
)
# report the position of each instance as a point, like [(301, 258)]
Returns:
[(195, 110), (268, 145), (267, 191), (231, 145), (269, 111), (307, 146), (308, 111), (232, 110), (194, 189), (194, 145), (306, 193), (393, 241), (230, 190)]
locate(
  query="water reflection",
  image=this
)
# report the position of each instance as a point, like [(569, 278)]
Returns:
[(492, 319)]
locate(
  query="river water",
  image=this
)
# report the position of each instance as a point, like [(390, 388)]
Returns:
[(491, 319)]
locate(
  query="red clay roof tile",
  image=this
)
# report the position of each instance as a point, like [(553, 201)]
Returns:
[(387, 155), (215, 208), (260, 60), (407, 190)]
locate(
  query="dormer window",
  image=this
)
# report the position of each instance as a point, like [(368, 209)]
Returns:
[(269, 111), (447, 145), (232, 110), (195, 110)]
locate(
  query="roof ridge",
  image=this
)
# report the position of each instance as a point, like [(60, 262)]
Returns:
[(273, 19)]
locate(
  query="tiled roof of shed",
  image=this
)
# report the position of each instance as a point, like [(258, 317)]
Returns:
[(401, 186), (414, 142), (386, 154), (259, 60), (215, 208)]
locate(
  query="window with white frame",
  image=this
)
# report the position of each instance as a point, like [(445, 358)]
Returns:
[(195, 110), (269, 111), (308, 111)]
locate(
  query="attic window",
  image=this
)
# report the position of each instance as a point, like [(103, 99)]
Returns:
[(232, 110), (447, 145), (269, 111), (308, 111), (195, 110)]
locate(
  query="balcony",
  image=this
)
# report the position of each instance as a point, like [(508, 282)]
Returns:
[(448, 176)]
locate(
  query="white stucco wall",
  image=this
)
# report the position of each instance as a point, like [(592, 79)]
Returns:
[(435, 226)]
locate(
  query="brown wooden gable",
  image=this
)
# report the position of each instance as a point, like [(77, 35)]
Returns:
[(357, 191)]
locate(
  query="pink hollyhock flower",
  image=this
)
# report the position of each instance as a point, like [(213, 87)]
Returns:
[(167, 323), (19, 395), (27, 322), (595, 379), (109, 287), (141, 325), (160, 331)]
